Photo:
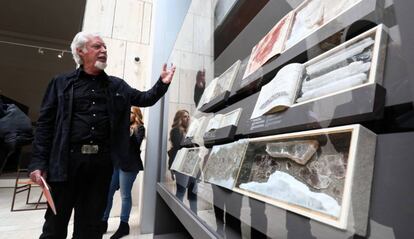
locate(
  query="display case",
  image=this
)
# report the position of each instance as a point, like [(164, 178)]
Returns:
[(321, 165), (313, 173)]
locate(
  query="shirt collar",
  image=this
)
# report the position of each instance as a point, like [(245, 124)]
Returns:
[(82, 73)]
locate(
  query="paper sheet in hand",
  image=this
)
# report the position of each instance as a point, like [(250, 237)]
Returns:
[(46, 192)]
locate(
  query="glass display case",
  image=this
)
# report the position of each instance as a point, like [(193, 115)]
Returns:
[(338, 94)]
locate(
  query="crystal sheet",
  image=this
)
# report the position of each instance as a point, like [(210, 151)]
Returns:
[(319, 183), (223, 163), (299, 151), (192, 160)]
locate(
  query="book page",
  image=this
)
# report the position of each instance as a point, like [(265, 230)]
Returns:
[(208, 93), (178, 160), (271, 45), (231, 118), (194, 125), (214, 123), (280, 92), (225, 80)]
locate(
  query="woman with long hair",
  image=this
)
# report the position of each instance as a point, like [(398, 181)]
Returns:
[(183, 182), (178, 131), (125, 174)]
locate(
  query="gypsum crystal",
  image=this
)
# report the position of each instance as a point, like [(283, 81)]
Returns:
[(334, 87), (299, 151), (329, 165), (326, 64), (364, 56), (315, 180), (336, 75)]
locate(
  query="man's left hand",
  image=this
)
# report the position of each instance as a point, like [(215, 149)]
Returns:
[(167, 74)]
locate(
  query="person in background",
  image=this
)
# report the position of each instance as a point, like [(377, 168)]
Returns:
[(200, 85), (83, 133), (178, 131), (124, 176), (183, 182)]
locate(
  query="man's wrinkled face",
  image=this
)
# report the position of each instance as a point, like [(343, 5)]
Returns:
[(94, 53)]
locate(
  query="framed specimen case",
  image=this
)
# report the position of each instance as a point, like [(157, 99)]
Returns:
[(219, 89), (189, 160), (322, 174), (223, 163), (353, 64)]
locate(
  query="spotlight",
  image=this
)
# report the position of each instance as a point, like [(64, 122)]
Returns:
[(60, 55), (41, 51)]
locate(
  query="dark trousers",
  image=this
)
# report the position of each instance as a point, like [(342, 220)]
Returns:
[(191, 196), (85, 191)]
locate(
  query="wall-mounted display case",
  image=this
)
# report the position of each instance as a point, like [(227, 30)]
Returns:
[(321, 167)]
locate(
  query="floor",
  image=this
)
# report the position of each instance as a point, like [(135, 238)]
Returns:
[(28, 224)]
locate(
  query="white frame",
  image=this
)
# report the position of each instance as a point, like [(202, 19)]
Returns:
[(361, 4), (377, 64), (356, 158)]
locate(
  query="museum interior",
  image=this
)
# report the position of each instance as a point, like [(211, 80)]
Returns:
[(284, 119)]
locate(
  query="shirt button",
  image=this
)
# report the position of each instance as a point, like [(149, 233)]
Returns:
[(93, 102), (93, 90), (94, 115), (92, 128), (91, 141), (71, 150)]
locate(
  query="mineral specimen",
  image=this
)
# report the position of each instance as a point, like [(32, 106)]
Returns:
[(299, 151)]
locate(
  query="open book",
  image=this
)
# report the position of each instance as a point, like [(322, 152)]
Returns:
[(270, 46), (220, 84), (224, 120), (281, 92)]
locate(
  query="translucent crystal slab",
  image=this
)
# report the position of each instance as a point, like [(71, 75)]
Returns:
[(299, 151)]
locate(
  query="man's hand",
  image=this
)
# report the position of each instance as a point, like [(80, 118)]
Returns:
[(35, 177), (167, 74)]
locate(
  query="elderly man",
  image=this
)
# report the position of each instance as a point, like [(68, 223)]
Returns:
[(82, 132)]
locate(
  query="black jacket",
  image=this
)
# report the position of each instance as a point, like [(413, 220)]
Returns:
[(176, 138), (15, 126), (51, 143), (134, 163)]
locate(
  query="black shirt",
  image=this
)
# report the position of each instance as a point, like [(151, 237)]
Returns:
[(90, 122)]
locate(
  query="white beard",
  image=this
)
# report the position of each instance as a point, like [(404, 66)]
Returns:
[(100, 65)]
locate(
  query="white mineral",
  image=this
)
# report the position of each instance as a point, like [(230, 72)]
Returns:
[(334, 87), (336, 75), (284, 187), (299, 151), (329, 63)]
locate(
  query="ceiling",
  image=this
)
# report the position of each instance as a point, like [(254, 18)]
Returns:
[(25, 72)]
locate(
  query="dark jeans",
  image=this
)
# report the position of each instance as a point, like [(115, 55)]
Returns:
[(191, 196), (85, 191)]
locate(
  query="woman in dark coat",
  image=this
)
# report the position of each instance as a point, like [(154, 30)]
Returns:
[(183, 182)]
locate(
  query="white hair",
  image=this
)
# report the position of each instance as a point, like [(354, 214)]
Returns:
[(79, 41)]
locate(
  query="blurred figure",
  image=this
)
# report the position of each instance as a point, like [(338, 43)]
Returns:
[(200, 85), (177, 134), (183, 182), (125, 174)]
